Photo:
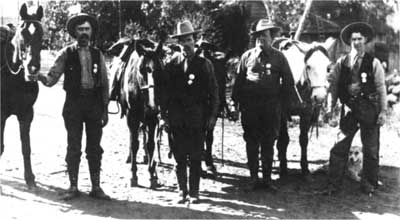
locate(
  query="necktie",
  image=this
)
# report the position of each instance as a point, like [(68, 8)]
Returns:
[(356, 63)]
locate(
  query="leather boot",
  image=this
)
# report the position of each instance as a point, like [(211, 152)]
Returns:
[(194, 181), (181, 175), (73, 191), (97, 192)]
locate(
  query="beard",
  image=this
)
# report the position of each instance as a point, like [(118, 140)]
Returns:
[(83, 40)]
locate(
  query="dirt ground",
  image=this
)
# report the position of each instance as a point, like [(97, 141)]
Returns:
[(223, 197)]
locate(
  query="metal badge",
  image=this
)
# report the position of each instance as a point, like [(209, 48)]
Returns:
[(268, 67), (191, 76), (94, 68), (190, 82), (363, 77)]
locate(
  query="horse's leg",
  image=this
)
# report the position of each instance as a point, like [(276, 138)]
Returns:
[(305, 124), (282, 144), (133, 125), (3, 125), (150, 145), (211, 170), (25, 120)]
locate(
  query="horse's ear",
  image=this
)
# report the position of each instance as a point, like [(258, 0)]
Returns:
[(39, 13), (24, 11)]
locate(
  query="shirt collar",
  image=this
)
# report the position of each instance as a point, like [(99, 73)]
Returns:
[(353, 54), (260, 52)]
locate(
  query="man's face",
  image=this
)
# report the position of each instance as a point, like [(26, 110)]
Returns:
[(187, 42), (358, 41), (264, 38), (83, 33)]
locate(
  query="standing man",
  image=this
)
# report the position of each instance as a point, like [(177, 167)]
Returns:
[(358, 80), (264, 81), (86, 87), (190, 107)]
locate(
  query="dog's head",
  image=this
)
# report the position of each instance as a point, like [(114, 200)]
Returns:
[(355, 155)]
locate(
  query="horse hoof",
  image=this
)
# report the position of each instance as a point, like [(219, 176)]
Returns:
[(154, 184), (134, 182), (128, 160), (31, 186)]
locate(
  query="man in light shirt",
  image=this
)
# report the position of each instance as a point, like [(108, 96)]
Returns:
[(86, 87), (358, 80)]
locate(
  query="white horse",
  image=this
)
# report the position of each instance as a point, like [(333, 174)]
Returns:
[(310, 64)]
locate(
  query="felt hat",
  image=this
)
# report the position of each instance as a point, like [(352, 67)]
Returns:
[(184, 28), (262, 25), (365, 29), (78, 18)]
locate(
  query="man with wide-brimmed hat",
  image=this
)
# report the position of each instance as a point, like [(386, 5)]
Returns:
[(264, 81), (190, 106), (86, 87), (358, 80)]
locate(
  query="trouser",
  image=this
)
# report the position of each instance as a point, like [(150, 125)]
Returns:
[(261, 125), (79, 110), (339, 153), (209, 138), (187, 150)]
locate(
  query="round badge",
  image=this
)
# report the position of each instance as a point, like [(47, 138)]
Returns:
[(94, 68), (363, 77), (190, 82), (191, 76), (268, 66)]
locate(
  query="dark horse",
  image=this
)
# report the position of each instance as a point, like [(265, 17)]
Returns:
[(21, 56), (310, 66), (139, 68), (218, 59)]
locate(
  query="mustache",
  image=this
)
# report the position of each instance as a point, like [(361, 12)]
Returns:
[(83, 37)]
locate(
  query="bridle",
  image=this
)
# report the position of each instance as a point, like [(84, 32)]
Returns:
[(19, 50)]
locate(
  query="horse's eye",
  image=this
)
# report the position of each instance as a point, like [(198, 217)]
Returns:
[(356, 153), (308, 67)]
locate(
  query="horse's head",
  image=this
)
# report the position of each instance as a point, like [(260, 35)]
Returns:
[(150, 68), (27, 41), (310, 65)]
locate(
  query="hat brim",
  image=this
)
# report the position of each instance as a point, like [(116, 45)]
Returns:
[(365, 29), (71, 23), (184, 34), (274, 28)]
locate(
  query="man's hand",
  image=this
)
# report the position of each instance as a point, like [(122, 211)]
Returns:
[(104, 118), (211, 123), (381, 118)]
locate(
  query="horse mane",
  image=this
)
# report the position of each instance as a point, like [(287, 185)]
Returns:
[(15, 42)]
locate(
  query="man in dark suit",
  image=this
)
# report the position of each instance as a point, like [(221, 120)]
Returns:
[(190, 106)]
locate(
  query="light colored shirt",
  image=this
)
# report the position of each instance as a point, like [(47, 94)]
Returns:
[(87, 81), (354, 87)]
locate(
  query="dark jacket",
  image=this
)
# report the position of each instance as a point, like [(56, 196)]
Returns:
[(188, 101), (262, 76)]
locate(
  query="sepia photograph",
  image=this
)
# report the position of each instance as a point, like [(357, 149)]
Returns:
[(200, 109)]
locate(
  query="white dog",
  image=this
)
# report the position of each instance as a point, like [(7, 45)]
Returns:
[(355, 163)]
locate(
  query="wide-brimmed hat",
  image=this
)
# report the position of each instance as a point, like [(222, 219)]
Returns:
[(78, 18), (262, 25), (184, 28), (365, 29)]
